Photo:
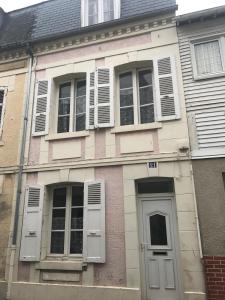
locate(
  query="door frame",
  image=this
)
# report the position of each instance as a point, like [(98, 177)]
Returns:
[(157, 197)]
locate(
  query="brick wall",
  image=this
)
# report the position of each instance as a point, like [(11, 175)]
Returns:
[(215, 277)]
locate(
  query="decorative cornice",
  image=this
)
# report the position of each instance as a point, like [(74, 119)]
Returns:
[(89, 39)]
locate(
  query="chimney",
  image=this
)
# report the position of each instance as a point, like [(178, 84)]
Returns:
[(2, 14)]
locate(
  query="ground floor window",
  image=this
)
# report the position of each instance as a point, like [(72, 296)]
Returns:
[(67, 220)]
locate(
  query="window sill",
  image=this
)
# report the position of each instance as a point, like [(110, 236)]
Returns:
[(208, 76), (67, 135), (139, 127), (61, 265), (2, 143)]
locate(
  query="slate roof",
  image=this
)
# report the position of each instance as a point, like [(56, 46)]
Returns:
[(55, 18)]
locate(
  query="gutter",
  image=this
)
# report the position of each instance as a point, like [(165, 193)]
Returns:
[(201, 15), (23, 143)]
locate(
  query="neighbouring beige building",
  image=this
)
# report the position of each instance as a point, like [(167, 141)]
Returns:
[(12, 91), (108, 207)]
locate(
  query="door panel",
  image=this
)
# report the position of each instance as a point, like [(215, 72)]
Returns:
[(158, 250)]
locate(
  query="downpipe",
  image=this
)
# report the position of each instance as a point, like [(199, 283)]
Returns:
[(20, 172)]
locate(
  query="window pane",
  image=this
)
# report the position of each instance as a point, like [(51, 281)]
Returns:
[(80, 118), (81, 105), (208, 58), (81, 122), (81, 88), (147, 114), (92, 12), (126, 80), (126, 97), (158, 230), (77, 218), (155, 187), (63, 124), (108, 10), (58, 219), (145, 78), (64, 90), (1, 96), (57, 243), (146, 95), (78, 196), (64, 106), (127, 116), (59, 197), (76, 242)]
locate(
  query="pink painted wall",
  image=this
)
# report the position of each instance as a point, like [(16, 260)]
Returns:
[(113, 272), (23, 272), (92, 49), (100, 144)]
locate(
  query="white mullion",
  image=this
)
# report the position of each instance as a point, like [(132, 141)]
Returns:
[(135, 96)]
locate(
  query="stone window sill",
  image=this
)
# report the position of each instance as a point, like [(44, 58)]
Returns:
[(61, 265), (139, 127), (67, 135)]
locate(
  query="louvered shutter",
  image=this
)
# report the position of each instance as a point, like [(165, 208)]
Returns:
[(41, 108), (32, 223), (90, 101), (166, 89), (104, 115), (94, 222)]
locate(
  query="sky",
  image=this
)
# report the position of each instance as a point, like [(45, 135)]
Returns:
[(185, 6)]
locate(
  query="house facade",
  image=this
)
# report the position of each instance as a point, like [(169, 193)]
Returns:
[(201, 38), (107, 206), (13, 83)]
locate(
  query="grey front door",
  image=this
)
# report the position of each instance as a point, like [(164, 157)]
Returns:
[(159, 249)]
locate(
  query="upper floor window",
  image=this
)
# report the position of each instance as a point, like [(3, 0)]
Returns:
[(136, 97), (147, 91), (72, 106), (208, 58), (98, 11), (2, 103)]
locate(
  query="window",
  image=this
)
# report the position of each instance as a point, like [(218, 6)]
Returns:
[(208, 58), (98, 11), (2, 97), (72, 106), (136, 97), (67, 220)]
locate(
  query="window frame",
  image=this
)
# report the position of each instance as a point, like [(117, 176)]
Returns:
[(193, 43), (67, 238), (4, 89), (85, 16), (72, 117), (136, 96)]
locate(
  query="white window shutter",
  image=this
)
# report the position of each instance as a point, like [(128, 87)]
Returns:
[(104, 113), (167, 101), (94, 222), (32, 224), (41, 108), (90, 102)]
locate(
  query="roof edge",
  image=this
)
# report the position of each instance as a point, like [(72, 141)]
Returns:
[(200, 15), (92, 28)]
